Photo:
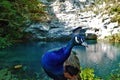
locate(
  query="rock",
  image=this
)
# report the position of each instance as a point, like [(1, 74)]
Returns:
[(38, 26), (19, 66), (44, 1), (66, 16), (112, 25), (116, 30), (91, 36), (104, 33)]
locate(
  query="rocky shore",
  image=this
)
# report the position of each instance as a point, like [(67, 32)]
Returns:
[(68, 15)]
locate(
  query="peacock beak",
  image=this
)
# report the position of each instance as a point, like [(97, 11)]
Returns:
[(84, 44)]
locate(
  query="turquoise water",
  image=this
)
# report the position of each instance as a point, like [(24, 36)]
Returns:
[(103, 57)]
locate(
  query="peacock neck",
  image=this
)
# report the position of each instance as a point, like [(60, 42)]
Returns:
[(69, 46)]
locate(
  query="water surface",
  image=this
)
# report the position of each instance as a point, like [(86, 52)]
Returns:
[(104, 58)]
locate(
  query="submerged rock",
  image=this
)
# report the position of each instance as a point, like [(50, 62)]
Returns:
[(18, 66)]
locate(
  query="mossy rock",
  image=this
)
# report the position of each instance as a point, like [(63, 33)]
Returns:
[(113, 38)]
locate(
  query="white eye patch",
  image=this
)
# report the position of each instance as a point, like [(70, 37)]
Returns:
[(82, 40), (76, 39)]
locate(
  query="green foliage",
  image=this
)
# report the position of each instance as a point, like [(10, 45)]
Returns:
[(5, 41), (113, 38), (10, 23), (32, 10), (23, 73), (88, 74), (13, 17), (6, 75), (115, 9)]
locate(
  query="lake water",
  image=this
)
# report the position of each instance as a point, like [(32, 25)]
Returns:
[(103, 57)]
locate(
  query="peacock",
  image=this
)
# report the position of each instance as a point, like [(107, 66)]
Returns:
[(56, 63)]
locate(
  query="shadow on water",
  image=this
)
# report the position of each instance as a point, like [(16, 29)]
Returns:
[(103, 57)]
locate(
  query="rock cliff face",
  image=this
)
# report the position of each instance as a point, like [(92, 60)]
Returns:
[(66, 16)]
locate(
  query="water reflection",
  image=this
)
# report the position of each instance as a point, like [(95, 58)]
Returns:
[(103, 57), (100, 50)]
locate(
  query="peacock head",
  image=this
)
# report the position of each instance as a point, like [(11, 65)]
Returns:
[(80, 40)]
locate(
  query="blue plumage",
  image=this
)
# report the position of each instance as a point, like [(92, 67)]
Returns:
[(52, 61)]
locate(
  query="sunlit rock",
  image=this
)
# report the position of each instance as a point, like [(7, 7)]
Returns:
[(96, 23), (66, 16), (82, 0), (104, 33), (116, 30), (112, 25)]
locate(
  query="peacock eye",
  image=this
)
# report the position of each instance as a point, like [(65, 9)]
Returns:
[(77, 39)]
